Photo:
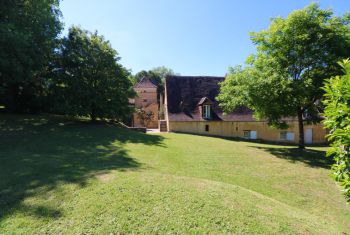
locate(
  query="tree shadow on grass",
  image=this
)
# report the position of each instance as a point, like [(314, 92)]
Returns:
[(311, 157), (38, 153)]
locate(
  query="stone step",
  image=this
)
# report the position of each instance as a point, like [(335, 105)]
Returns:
[(163, 126)]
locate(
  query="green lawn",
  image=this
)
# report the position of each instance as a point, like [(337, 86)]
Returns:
[(62, 176)]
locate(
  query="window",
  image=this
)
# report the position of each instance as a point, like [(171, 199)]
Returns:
[(248, 134), (207, 128), (287, 135), (283, 135), (206, 111)]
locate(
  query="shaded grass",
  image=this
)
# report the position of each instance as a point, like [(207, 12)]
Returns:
[(40, 153), (311, 157), (63, 176)]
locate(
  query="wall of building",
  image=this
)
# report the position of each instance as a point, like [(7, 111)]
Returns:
[(146, 99), (236, 129), (154, 123)]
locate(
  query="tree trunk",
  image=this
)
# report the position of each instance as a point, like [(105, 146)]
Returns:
[(301, 129)]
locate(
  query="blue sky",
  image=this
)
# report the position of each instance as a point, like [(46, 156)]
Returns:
[(192, 37)]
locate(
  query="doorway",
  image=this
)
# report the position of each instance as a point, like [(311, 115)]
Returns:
[(308, 136)]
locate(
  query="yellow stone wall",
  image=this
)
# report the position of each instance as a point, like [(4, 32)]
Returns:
[(146, 99), (236, 129)]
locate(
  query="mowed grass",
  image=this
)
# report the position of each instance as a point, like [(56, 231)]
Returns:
[(62, 176)]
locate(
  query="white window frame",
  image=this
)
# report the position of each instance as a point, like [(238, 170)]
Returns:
[(247, 134), (206, 111), (287, 135)]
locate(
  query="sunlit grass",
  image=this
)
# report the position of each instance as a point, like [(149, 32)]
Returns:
[(62, 176)]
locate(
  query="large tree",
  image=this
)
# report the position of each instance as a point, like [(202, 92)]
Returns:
[(88, 79), (156, 79), (157, 74), (162, 72), (29, 31), (294, 56)]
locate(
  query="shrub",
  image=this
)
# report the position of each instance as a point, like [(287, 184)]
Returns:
[(337, 113)]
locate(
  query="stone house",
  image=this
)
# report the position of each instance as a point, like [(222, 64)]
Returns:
[(191, 107)]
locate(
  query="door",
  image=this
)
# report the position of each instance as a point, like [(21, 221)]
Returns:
[(308, 136), (253, 135)]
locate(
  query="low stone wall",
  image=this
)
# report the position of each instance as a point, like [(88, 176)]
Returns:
[(139, 129)]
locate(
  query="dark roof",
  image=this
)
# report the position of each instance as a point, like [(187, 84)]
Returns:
[(185, 93), (145, 83)]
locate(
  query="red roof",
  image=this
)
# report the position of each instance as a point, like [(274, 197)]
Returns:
[(145, 83)]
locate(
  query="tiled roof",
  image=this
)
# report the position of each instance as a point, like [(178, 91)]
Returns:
[(185, 93), (145, 83)]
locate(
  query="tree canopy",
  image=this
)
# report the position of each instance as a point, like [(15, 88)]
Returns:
[(294, 57), (162, 72), (29, 31), (157, 74), (156, 78), (89, 81)]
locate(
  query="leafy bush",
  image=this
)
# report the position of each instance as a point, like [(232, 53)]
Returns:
[(337, 112)]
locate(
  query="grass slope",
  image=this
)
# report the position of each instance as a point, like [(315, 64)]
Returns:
[(62, 176)]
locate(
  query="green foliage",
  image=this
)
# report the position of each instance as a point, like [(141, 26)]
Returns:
[(294, 57), (156, 78), (132, 79), (162, 72), (260, 92), (28, 32), (89, 81), (157, 75), (337, 113)]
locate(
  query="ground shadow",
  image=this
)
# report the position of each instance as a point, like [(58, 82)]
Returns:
[(311, 157), (41, 152)]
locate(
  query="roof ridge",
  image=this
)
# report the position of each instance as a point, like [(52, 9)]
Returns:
[(145, 82)]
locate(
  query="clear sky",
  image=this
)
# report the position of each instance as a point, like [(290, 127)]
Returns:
[(192, 37)]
